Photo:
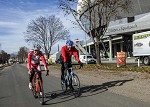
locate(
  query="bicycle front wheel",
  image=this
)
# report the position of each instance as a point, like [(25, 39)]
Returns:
[(63, 85), (40, 92), (75, 85), (34, 87)]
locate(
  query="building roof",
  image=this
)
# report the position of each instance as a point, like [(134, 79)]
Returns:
[(138, 7)]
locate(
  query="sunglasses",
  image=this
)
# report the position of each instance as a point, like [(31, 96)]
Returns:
[(36, 51)]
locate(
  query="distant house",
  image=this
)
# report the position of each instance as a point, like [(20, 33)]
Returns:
[(55, 56)]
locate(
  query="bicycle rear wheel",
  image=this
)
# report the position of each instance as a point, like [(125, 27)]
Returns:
[(40, 92), (75, 85)]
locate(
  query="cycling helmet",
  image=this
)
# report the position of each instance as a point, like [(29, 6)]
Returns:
[(37, 47), (69, 43)]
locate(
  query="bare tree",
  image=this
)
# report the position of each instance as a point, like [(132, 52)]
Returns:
[(4, 57), (45, 31), (22, 54), (93, 16)]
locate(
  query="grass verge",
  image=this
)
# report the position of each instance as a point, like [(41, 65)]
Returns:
[(3, 66), (91, 67)]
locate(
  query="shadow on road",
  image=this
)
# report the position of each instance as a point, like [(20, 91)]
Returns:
[(56, 97), (96, 89), (4, 97), (60, 95)]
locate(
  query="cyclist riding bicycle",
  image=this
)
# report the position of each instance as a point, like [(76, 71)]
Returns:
[(34, 57), (66, 53)]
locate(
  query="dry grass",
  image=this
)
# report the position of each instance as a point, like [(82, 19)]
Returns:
[(92, 67), (3, 66)]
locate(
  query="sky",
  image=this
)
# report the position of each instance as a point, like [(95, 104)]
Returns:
[(15, 15)]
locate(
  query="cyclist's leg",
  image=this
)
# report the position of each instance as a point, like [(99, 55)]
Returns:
[(41, 80), (62, 71), (41, 83), (31, 76), (69, 66), (40, 72), (40, 76), (40, 88)]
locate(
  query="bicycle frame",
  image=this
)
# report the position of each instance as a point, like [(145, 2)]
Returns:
[(37, 82), (38, 87), (71, 81), (68, 75)]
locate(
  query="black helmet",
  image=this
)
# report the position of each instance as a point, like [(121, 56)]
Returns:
[(37, 47)]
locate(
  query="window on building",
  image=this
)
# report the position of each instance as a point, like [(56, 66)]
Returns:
[(130, 19)]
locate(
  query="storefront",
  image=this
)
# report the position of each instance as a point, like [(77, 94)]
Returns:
[(119, 38)]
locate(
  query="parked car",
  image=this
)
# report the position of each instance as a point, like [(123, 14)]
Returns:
[(90, 59), (41, 63)]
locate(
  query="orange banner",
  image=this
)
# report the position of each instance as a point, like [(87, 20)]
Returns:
[(121, 58)]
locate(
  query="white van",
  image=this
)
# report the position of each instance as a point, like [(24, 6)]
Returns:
[(90, 59)]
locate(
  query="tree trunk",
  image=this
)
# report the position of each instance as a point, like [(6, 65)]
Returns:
[(97, 48), (47, 55), (48, 52)]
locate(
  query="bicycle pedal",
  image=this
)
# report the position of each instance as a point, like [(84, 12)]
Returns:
[(35, 96)]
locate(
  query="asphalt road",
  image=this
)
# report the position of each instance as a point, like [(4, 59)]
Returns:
[(14, 92)]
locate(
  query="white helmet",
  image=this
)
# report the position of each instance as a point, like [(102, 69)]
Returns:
[(37, 47)]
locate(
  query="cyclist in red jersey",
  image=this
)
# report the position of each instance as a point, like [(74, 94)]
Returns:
[(66, 53), (34, 57)]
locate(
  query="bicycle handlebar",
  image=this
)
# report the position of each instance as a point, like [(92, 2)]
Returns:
[(81, 65), (36, 70)]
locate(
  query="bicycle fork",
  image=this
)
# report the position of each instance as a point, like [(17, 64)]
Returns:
[(69, 80)]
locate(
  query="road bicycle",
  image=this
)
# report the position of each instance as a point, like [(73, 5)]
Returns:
[(71, 81), (37, 86)]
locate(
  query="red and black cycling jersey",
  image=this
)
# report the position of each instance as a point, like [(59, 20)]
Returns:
[(34, 60), (66, 54)]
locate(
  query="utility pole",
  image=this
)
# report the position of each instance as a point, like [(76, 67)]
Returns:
[(0, 47), (58, 47)]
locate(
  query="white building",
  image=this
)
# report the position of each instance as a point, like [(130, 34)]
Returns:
[(55, 56), (119, 34)]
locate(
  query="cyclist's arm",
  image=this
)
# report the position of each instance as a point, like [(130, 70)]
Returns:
[(75, 53), (44, 62), (29, 61), (63, 53)]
